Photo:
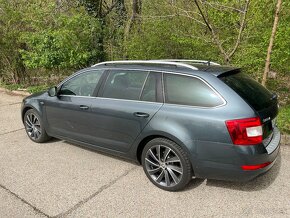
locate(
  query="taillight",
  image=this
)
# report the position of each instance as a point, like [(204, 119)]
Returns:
[(255, 167), (245, 131)]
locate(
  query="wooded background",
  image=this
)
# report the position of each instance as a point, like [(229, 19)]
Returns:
[(42, 41)]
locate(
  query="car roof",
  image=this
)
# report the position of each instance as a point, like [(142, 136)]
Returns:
[(191, 67)]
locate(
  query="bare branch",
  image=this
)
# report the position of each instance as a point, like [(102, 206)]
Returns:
[(220, 6), (185, 11), (158, 17), (214, 35), (242, 26), (192, 18)]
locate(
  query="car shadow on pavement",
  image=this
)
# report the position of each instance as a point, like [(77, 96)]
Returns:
[(91, 149), (53, 140), (261, 182), (194, 183)]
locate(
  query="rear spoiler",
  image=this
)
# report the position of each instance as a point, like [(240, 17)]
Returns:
[(228, 73)]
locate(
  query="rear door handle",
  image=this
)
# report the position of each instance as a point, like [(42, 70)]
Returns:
[(84, 107), (141, 114)]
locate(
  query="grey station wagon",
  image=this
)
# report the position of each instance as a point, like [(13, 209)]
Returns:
[(179, 118)]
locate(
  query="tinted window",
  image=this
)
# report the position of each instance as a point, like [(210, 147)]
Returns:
[(187, 90), (82, 85), (123, 84), (250, 90), (149, 91)]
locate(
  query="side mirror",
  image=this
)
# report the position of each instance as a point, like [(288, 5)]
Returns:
[(52, 92)]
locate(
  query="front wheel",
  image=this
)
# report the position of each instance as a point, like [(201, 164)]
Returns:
[(34, 127), (166, 164)]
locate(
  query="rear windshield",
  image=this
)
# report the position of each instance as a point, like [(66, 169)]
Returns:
[(250, 90)]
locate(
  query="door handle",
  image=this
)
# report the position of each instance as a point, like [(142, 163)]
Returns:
[(141, 114), (84, 107)]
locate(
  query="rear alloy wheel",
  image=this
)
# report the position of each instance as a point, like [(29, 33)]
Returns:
[(166, 164), (34, 128)]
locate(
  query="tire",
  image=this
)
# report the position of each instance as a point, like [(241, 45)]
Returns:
[(34, 127), (166, 164)]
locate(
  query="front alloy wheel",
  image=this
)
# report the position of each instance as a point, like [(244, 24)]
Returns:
[(166, 164), (33, 127)]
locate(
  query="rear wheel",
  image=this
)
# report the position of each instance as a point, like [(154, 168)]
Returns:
[(34, 127), (166, 164)]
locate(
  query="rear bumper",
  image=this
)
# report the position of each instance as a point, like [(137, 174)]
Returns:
[(227, 164)]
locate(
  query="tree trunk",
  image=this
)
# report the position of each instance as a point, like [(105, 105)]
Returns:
[(271, 43), (136, 12), (101, 40), (135, 17)]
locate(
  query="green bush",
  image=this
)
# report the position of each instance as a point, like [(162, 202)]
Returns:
[(284, 119), (70, 43)]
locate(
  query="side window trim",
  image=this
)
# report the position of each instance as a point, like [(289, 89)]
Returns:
[(143, 86), (102, 85), (102, 80), (158, 86)]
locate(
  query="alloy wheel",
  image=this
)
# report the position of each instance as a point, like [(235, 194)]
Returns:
[(33, 127), (163, 165)]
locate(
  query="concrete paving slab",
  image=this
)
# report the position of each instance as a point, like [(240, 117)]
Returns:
[(10, 118), (54, 177), (12, 206), (135, 196), (6, 99)]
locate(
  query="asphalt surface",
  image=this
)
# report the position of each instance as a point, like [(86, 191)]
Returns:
[(59, 179)]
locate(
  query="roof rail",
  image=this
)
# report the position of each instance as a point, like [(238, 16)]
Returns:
[(192, 61), (177, 64)]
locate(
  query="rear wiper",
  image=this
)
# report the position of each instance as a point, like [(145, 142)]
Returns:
[(274, 96)]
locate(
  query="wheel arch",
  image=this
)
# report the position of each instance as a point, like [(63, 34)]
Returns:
[(142, 142), (33, 105), (24, 110)]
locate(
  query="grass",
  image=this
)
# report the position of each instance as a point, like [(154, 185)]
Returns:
[(34, 89), (283, 120), (30, 89)]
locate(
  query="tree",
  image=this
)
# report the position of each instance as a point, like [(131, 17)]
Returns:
[(215, 36), (271, 42), (100, 9), (67, 43)]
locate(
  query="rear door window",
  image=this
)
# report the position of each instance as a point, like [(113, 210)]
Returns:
[(186, 90), (250, 90), (122, 84)]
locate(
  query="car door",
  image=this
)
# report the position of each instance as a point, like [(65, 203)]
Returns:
[(69, 113), (126, 103)]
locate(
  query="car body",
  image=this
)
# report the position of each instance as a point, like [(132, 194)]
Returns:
[(217, 122)]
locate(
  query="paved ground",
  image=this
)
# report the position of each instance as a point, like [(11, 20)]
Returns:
[(64, 180)]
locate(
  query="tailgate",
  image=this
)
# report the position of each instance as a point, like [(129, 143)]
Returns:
[(263, 102)]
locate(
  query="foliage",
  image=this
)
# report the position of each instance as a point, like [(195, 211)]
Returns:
[(35, 89), (37, 34), (68, 43), (11, 66), (284, 119), (41, 41)]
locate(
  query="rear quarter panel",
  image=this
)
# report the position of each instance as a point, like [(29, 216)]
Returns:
[(202, 131)]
